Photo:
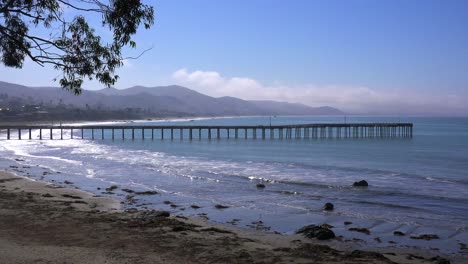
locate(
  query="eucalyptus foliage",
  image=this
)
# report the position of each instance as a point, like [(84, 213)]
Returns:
[(61, 33)]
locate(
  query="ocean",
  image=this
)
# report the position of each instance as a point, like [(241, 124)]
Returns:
[(417, 185)]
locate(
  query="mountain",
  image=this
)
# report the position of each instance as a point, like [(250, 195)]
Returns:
[(170, 100)]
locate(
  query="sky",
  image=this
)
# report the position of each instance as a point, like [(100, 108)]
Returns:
[(362, 56)]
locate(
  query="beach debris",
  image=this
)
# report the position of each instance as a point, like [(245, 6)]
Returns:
[(398, 233), (364, 254), (128, 190), (145, 215), (361, 183), (260, 185), (425, 237), (361, 230), (181, 228), (130, 200), (289, 192), (440, 260), (204, 216), (220, 206), (147, 193), (315, 231), (131, 210), (348, 223), (259, 225), (8, 180), (159, 213), (194, 206), (71, 196), (462, 246), (233, 221), (215, 229), (412, 256), (328, 207), (113, 187)]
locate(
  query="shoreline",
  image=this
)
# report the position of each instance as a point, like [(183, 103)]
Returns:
[(74, 223)]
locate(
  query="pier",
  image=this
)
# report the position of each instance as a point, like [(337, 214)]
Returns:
[(199, 132)]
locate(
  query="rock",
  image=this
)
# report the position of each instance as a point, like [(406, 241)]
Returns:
[(327, 226), (425, 237), (362, 183), (113, 187), (167, 202), (348, 223), (128, 190), (220, 206), (328, 207), (314, 231), (174, 205), (361, 230), (260, 185), (47, 195), (398, 233), (194, 206), (68, 182)]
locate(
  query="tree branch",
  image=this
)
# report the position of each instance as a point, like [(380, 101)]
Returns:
[(6, 6)]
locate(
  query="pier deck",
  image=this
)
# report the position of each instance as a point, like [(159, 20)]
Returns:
[(191, 132)]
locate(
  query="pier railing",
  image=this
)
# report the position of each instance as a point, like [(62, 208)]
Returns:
[(191, 132)]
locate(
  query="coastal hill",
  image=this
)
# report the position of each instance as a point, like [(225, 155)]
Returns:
[(141, 102)]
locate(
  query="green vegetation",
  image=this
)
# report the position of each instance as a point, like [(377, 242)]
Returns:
[(63, 38)]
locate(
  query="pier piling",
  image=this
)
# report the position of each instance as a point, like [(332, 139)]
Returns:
[(300, 131)]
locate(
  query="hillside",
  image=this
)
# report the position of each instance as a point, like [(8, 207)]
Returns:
[(144, 102)]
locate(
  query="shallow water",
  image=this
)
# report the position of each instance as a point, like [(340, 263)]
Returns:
[(417, 185)]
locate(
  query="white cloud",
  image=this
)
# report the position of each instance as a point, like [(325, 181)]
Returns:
[(348, 98)]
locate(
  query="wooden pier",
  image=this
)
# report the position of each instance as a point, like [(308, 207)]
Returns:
[(300, 131)]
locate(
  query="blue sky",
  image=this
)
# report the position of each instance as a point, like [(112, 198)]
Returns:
[(360, 55)]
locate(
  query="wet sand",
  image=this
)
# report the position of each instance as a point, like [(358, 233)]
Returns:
[(44, 223)]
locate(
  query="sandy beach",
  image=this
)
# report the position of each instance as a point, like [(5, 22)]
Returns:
[(45, 223)]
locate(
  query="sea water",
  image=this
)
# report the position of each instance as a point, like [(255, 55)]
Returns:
[(416, 185)]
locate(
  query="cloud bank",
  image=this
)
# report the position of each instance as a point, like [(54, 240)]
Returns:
[(360, 100)]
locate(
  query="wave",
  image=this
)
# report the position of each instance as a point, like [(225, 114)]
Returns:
[(196, 168)]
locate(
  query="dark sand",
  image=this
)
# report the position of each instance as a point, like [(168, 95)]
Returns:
[(43, 223)]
